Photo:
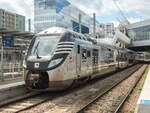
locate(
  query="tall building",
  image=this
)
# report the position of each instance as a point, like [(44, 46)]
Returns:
[(60, 13), (109, 28), (11, 20), (106, 30)]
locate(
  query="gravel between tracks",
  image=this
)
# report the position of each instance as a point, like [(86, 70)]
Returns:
[(109, 102), (81, 96), (131, 103)]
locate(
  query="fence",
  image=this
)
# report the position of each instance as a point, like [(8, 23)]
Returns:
[(11, 71)]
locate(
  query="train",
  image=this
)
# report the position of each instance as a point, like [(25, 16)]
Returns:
[(58, 58)]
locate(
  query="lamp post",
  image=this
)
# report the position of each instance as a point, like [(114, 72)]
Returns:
[(94, 24), (2, 49), (80, 27)]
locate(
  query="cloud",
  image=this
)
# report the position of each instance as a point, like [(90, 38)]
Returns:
[(139, 6), (105, 7), (88, 6), (100, 7), (131, 20), (22, 7)]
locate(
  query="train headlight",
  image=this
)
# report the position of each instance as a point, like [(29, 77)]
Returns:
[(54, 62)]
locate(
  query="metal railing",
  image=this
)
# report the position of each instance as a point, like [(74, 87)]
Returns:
[(11, 71)]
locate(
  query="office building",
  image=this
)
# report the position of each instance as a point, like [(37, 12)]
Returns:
[(11, 20), (60, 13), (106, 30)]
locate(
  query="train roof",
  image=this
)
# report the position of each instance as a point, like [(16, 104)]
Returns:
[(57, 30), (53, 30), (61, 30)]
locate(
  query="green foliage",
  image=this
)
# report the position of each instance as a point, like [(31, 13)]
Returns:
[(139, 88), (132, 110)]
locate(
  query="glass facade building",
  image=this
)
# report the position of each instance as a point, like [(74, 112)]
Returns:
[(60, 13), (139, 31)]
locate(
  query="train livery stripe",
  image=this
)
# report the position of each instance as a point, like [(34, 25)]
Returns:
[(62, 52), (65, 46), (66, 43), (64, 49)]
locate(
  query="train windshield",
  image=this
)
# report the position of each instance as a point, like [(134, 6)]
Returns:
[(44, 46)]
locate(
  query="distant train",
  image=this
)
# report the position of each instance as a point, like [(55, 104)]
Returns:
[(58, 59)]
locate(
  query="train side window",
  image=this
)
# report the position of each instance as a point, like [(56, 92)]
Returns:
[(78, 49), (88, 53), (83, 38), (83, 53)]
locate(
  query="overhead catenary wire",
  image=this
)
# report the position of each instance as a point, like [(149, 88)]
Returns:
[(121, 12)]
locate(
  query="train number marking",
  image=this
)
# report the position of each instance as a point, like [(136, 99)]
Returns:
[(36, 65)]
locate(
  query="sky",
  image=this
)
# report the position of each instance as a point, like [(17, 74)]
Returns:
[(106, 10)]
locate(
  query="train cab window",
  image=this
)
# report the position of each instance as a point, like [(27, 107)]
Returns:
[(88, 53), (78, 49), (83, 53)]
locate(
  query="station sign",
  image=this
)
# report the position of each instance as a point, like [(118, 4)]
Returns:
[(22, 48), (8, 41)]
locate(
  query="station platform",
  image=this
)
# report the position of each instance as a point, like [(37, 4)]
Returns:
[(11, 83), (143, 105), (12, 88)]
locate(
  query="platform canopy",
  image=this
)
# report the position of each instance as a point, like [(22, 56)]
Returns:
[(15, 33)]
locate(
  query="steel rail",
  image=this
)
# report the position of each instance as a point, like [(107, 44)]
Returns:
[(105, 92), (16, 99), (128, 94)]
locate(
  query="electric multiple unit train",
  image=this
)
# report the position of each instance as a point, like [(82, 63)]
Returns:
[(58, 58)]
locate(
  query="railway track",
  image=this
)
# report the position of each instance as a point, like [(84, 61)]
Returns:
[(33, 99), (27, 95), (128, 94), (23, 102), (92, 102), (28, 101)]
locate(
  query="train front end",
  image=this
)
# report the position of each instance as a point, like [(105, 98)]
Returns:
[(42, 66)]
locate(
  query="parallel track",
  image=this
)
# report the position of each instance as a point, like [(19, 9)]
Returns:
[(30, 94), (128, 94), (23, 102), (33, 99), (81, 110)]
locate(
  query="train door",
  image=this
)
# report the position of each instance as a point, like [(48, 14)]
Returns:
[(95, 60), (83, 61), (118, 59), (78, 60)]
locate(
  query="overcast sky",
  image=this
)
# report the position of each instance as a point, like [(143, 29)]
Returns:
[(106, 11)]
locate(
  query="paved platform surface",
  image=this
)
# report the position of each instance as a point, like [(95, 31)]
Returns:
[(12, 88), (143, 105), (11, 83)]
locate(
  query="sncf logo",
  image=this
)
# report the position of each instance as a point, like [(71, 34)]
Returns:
[(36, 65)]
